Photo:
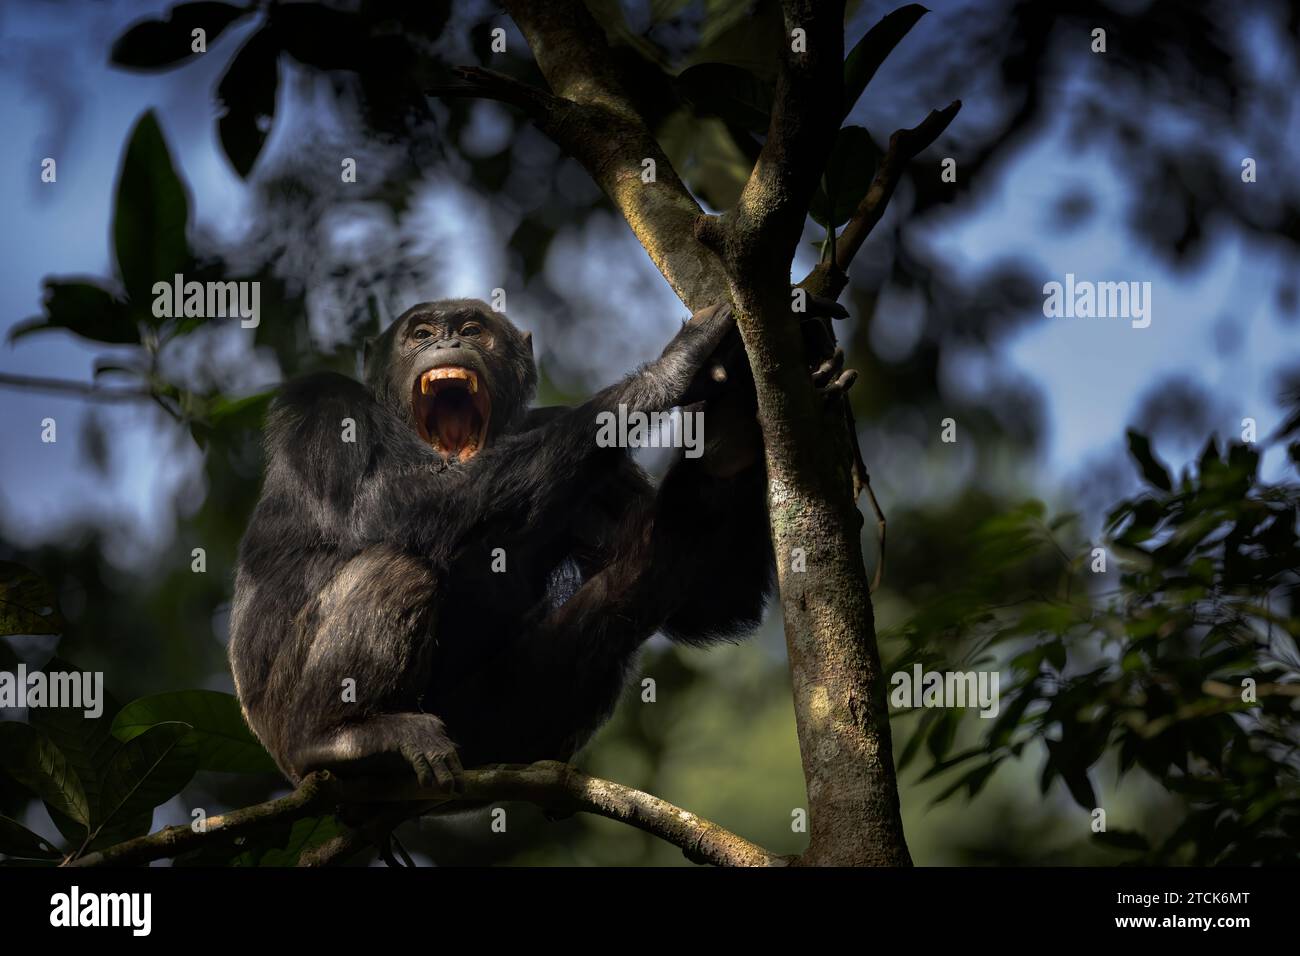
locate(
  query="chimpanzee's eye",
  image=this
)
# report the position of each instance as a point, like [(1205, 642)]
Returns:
[(471, 329), (421, 333)]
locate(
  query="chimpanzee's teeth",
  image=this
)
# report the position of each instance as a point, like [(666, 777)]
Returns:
[(453, 372)]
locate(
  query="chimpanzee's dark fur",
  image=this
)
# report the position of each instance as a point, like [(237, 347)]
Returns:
[(372, 560)]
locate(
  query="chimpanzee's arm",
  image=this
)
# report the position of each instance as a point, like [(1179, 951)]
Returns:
[(369, 478), (711, 571)]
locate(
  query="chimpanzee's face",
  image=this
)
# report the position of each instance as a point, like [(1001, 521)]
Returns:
[(457, 371)]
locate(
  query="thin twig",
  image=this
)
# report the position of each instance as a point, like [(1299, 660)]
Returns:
[(481, 83), (79, 389), (829, 278)]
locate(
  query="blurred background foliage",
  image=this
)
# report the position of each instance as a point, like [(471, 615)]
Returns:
[(1121, 688)]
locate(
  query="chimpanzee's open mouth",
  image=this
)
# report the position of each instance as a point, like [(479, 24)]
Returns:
[(452, 409)]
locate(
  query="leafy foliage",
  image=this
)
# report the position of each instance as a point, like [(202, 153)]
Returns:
[(101, 787), (359, 41), (1181, 662), (27, 602), (160, 44), (217, 733)]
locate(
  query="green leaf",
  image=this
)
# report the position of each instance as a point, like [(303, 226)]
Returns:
[(943, 735), (943, 766), (742, 34), (73, 832), (17, 840), (31, 759), (1209, 459), (218, 735), (1062, 760), (847, 178), (1061, 520), (705, 153), (108, 835), (1244, 460), (85, 309), (1152, 470), (728, 92), (84, 741), (866, 56), (661, 10), (246, 98), (240, 414), (148, 770), (1004, 726), (305, 835), (161, 44), (27, 602), (913, 746), (973, 781), (150, 217), (228, 418), (1122, 839)]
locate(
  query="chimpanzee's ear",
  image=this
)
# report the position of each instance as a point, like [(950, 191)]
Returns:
[(528, 340)]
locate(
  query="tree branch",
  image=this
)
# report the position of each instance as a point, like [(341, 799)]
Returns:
[(764, 228), (554, 786), (829, 278), (594, 120), (809, 444), (316, 793)]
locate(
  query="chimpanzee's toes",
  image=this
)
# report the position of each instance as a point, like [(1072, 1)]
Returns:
[(442, 772), (424, 771)]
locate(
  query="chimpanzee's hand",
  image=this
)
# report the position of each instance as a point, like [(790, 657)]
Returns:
[(688, 354), (825, 358)]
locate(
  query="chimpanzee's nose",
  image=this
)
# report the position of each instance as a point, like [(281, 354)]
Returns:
[(447, 344)]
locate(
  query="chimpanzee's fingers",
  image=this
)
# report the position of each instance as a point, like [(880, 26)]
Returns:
[(841, 384), (824, 372)]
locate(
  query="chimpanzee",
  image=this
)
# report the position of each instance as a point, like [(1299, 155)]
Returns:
[(436, 576)]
